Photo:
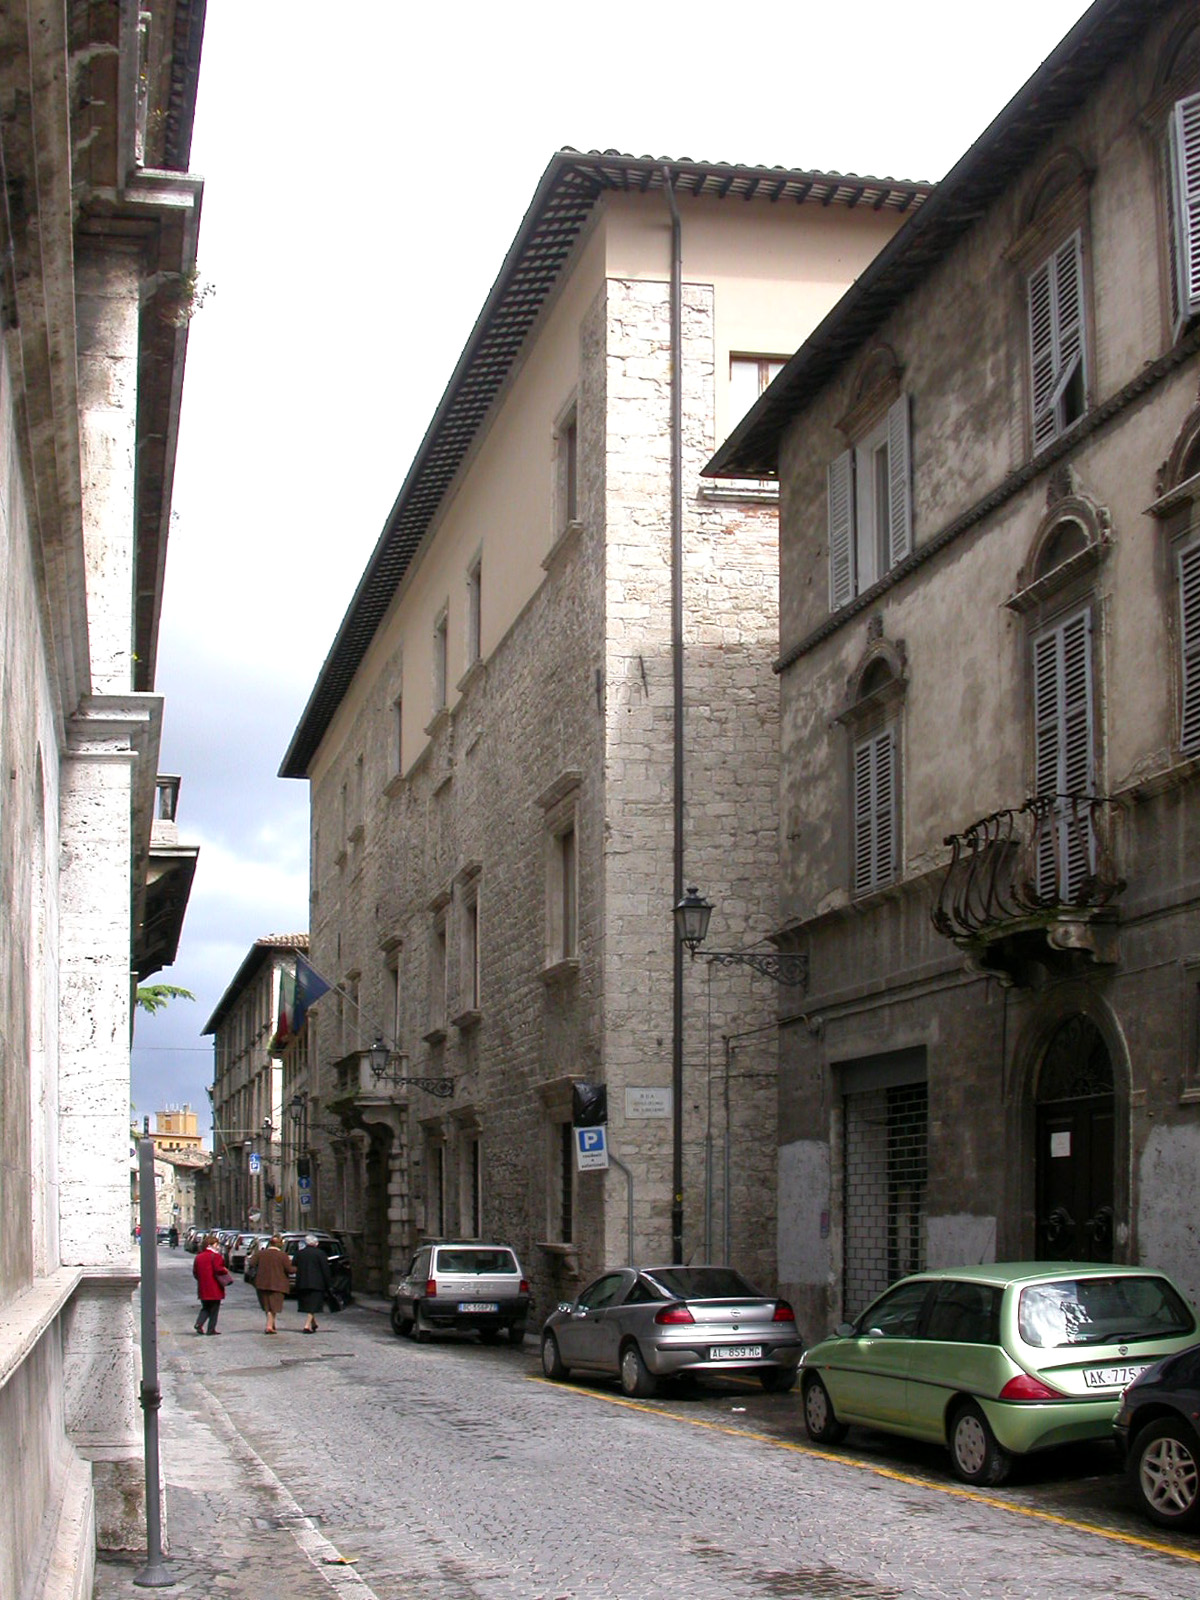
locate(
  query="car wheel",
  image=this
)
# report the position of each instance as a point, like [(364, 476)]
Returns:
[(974, 1453), (421, 1331), (516, 1335), (1165, 1467), (636, 1378), (778, 1380), (399, 1325), (552, 1361), (820, 1419)]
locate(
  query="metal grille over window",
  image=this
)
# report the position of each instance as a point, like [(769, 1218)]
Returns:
[(885, 1178)]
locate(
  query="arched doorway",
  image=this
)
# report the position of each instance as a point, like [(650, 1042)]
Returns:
[(1075, 1106)]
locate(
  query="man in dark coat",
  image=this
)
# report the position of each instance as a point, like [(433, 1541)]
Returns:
[(313, 1280)]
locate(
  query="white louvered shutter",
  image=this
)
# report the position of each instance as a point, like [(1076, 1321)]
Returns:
[(1189, 633), (841, 530), (1183, 147), (1055, 337), (899, 481), (874, 812), (1063, 738)]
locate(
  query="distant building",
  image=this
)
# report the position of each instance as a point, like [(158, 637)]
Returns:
[(548, 708), (990, 668), (176, 1129), (98, 238), (248, 1124)]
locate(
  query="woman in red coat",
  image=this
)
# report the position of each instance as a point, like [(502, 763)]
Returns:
[(211, 1275)]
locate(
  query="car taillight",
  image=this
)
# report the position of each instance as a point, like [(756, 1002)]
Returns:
[(524, 1289), (783, 1313), (1026, 1388), (674, 1314), (431, 1288)]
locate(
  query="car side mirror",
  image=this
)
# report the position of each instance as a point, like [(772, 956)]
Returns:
[(845, 1330)]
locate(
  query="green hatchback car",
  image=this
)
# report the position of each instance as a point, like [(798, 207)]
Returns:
[(996, 1360)]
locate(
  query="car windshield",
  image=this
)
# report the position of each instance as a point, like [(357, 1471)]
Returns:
[(704, 1283), (1117, 1310), (476, 1261)]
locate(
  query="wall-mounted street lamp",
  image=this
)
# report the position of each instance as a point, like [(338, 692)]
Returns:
[(692, 915), (387, 1066)]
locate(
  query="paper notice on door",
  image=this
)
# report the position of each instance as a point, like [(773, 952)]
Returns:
[(1060, 1144)]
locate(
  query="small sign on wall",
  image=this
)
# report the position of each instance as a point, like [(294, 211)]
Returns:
[(648, 1102), (1060, 1144)]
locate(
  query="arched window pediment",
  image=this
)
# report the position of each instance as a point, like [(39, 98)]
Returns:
[(876, 687), (1072, 539)]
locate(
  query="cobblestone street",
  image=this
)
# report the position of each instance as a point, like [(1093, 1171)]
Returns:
[(360, 1463)]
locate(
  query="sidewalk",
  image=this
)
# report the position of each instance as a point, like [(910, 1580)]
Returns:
[(230, 1526)]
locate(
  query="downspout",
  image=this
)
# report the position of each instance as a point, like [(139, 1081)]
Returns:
[(677, 720)]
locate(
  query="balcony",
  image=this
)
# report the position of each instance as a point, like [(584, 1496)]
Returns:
[(1029, 891)]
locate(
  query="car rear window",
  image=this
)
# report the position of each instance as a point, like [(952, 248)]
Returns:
[(476, 1261), (704, 1283), (1101, 1311)]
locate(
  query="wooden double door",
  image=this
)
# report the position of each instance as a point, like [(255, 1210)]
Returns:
[(1075, 1146)]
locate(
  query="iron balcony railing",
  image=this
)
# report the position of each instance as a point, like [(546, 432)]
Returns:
[(1055, 854)]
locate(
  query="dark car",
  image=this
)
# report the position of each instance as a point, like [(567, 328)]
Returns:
[(463, 1288), (334, 1247), (673, 1322), (1158, 1435)]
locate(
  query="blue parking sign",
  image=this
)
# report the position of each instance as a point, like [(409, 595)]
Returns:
[(591, 1148)]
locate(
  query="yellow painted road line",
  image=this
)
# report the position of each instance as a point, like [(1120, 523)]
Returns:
[(954, 1490)]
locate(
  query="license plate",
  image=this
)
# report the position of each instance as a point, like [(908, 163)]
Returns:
[(478, 1305), (735, 1352), (1111, 1377)]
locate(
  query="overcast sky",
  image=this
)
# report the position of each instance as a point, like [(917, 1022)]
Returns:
[(365, 170)]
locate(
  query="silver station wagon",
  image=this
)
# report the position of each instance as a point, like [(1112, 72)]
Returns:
[(673, 1322)]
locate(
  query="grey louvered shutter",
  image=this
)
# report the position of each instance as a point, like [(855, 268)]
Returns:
[(1063, 759), (1183, 153), (1055, 337), (1189, 633), (899, 481), (841, 530), (874, 812)]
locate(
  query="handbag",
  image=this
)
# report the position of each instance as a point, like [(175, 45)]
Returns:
[(223, 1276), (332, 1301)]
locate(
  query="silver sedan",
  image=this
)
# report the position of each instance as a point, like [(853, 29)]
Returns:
[(672, 1322)]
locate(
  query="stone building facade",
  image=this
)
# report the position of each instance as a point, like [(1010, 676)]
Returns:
[(989, 611), (250, 1128), (98, 230), (499, 827)]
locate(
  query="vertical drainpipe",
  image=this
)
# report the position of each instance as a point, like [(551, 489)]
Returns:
[(677, 720)]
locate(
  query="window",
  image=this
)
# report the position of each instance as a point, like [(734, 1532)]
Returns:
[(469, 953), (874, 812), (470, 1187), (1058, 373), (474, 610), (870, 506), (1187, 565), (397, 736), (394, 997), (566, 875), (1064, 764), (1183, 216), (437, 973), (435, 1203), (564, 1198), (560, 803), (566, 470), (749, 377), (439, 662)]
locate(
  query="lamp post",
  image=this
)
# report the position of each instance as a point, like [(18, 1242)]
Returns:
[(692, 914), (387, 1066)]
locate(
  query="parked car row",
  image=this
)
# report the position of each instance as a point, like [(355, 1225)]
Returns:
[(240, 1250), (994, 1361)]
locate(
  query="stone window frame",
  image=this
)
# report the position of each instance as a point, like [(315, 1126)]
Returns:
[(560, 806), (473, 621), (440, 664), (434, 1196), (1055, 220), (439, 968), (872, 712), (878, 423), (468, 1163), (468, 1011), (392, 949)]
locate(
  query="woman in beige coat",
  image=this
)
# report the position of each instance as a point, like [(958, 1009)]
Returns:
[(274, 1275)]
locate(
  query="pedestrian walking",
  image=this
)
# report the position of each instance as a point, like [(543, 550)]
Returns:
[(173, 1237), (211, 1275), (313, 1281), (273, 1276)]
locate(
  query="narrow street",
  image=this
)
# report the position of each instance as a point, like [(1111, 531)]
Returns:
[(377, 1467)]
